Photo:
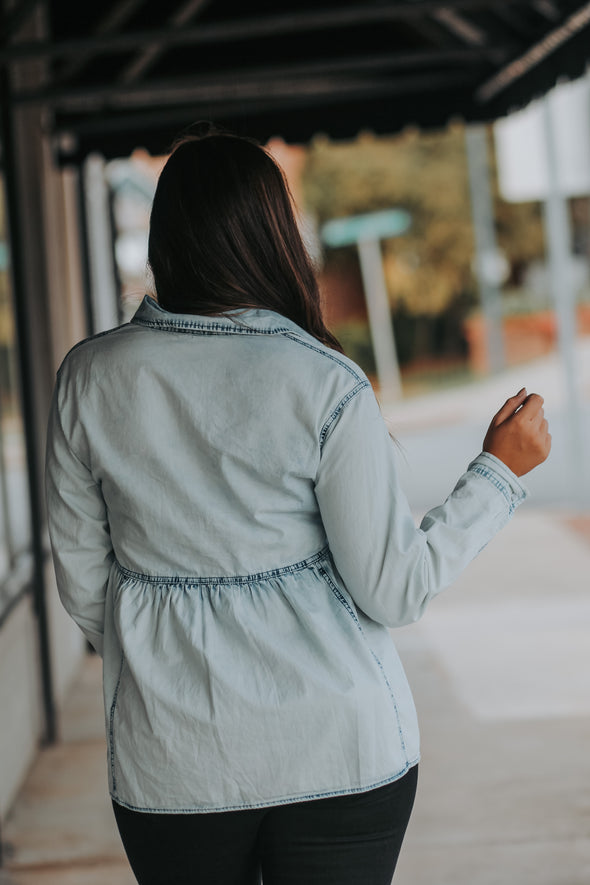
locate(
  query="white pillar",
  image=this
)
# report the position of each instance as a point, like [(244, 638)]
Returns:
[(103, 289), (558, 239), (380, 322), (485, 242)]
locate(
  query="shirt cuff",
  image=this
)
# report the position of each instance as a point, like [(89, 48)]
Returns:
[(502, 477)]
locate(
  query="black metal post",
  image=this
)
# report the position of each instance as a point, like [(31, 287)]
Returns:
[(26, 356)]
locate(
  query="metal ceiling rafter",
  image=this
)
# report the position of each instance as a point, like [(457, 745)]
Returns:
[(460, 27), (109, 24), (243, 29), (149, 56), (547, 8), (362, 64), (517, 68), (493, 25), (178, 113), (435, 34), (287, 89), (16, 17)]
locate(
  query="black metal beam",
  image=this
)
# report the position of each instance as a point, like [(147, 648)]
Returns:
[(461, 27), (262, 78), (148, 56), (243, 29), (109, 24), (286, 91), (156, 129), (15, 18), (281, 104), (549, 9), (536, 54)]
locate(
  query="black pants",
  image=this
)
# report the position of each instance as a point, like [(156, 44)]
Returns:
[(344, 840)]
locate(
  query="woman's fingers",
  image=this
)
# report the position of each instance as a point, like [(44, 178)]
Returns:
[(510, 407), (519, 433), (532, 406)]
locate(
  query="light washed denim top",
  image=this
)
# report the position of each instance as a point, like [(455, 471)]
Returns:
[(229, 532)]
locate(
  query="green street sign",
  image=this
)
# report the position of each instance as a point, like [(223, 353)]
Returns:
[(372, 226)]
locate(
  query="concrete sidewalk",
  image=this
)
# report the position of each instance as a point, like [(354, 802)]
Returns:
[(61, 830), (499, 667)]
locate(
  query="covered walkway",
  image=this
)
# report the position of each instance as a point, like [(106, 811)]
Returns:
[(80, 79), (499, 670)]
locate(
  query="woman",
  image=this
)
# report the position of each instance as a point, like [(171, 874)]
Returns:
[(229, 532)]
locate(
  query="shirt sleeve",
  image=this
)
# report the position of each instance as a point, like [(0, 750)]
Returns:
[(390, 567), (79, 532)]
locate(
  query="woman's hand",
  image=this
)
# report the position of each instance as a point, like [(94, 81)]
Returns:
[(519, 434)]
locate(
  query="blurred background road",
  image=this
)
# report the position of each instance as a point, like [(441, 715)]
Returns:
[(441, 433)]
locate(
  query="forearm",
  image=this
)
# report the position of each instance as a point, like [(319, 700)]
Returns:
[(391, 568)]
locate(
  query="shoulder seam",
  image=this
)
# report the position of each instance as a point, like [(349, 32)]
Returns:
[(325, 352), (362, 385), (87, 340)]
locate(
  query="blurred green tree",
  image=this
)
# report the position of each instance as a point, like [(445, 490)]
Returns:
[(428, 269)]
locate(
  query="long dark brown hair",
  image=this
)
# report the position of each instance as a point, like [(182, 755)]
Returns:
[(223, 235)]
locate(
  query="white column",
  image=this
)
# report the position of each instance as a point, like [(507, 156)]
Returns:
[(558, 239), (103, 288), (485, 242), (380, 322)]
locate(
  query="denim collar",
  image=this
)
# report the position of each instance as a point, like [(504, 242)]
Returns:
[(232, 322)]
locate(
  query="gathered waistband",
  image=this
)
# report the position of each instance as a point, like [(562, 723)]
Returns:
[(191, 580)]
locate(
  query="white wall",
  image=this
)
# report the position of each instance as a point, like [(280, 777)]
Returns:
[(61, 300), (21, 702), (20, 699), (67, 644)]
